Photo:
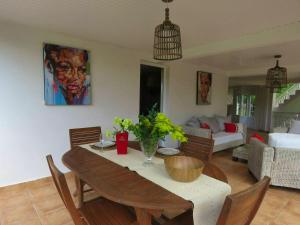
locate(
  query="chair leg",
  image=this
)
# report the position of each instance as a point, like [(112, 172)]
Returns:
[(79, 191)]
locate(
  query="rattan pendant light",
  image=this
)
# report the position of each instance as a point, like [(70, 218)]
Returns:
[(167, 39), (276, 77)]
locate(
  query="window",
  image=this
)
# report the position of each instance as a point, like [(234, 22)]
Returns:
[(245, 105)]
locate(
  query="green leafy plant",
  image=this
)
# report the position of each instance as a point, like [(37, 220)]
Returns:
[(156, 126), (124, 125)]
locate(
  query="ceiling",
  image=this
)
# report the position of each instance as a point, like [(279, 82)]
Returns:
[(131, 23), (247, 59)]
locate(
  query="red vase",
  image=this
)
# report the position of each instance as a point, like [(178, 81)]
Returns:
[(122, 143)]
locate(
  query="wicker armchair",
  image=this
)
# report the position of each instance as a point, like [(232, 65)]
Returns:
[(281, 164)]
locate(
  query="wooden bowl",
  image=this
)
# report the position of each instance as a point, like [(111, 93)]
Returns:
[(184, 168)]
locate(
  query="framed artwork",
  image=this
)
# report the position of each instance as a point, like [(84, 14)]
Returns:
[(67, 77), (204, 84)]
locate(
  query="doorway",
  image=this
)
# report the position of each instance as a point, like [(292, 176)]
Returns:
[(151, 88)]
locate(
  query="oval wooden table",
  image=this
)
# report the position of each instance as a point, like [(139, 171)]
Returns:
[(126, 187)]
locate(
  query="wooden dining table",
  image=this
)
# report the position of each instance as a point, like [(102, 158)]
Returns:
[(126, 187)]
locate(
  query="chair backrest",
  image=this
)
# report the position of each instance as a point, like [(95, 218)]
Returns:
[(198, 147), (240, 208), (80, 136), (63, 190), (134, 144)]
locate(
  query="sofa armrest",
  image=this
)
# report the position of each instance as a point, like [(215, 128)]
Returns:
[(286, 168), (200, 132), (243, 130), (260, 158), (287, 154)]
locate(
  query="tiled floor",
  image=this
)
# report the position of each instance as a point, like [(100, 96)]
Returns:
[(37, 202)]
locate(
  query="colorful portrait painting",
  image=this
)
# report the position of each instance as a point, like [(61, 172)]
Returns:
[(204, 83), (67, 75)]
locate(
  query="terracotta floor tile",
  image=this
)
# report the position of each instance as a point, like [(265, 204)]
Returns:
[(35, 221), (48, 203), (42, 191), (56, 217), (20, 213), (290, 214)]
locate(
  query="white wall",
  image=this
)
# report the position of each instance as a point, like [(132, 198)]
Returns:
[(182, 92), (29, 130)]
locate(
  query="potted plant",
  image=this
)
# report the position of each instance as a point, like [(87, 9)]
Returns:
[(152, 128), (121, 134)]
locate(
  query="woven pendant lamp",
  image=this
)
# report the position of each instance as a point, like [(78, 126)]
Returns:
[(167, 39), (276, 77)]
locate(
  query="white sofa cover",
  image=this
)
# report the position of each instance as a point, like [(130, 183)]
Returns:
[(284, 140), (222, 140)]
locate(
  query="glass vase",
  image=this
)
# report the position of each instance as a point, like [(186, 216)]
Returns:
[(149, 148)]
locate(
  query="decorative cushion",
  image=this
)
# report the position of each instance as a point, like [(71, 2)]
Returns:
[(221, 120), (212, 123), (231, 127), (295, 127), (193, 122), (260, 138), (204, 126)]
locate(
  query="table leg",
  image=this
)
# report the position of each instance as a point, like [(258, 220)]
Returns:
[(143, 216)]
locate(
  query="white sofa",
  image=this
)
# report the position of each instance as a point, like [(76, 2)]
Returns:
[(222, 139)]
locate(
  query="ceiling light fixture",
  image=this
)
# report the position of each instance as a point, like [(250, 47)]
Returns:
[(167, 39), (276, 77)]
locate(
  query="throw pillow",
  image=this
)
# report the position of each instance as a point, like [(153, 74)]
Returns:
[(204, 126), (212, 123), (257, 136), (295, 127), (221, 120), (193, 122), (231, 127)]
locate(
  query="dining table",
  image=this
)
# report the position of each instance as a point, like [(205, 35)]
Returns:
[(118, 183)]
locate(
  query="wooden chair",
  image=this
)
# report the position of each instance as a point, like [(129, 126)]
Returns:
[(96, 212), (80, 136), (198, 147), (134, 145), (238, 209)]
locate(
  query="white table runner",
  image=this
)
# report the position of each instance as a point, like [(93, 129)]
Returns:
[(206, 193)]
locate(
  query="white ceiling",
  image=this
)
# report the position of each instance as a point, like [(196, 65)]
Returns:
[(247, 59), (131, 23), (204, 25)]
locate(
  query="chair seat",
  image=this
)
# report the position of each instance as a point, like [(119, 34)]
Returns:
[(104, 212)]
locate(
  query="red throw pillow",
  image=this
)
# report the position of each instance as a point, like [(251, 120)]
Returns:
[(260, 138), (231, 127), (204, 125)]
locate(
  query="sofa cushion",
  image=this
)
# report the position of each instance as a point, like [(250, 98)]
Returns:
[(284, 140), (204, 126), (295, 127), (224, 137), (258, 137), (193, 122), (221, 120), (231, 127), (212, 123)]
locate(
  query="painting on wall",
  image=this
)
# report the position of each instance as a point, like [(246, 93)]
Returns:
[(204, 84), (67, 77)]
